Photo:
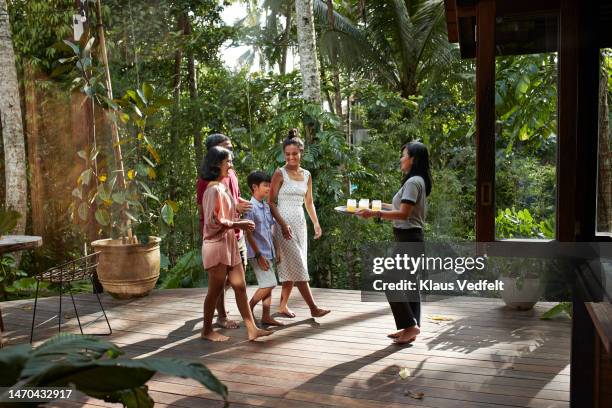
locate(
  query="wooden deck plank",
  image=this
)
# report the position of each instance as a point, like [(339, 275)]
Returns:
[(487, 356)]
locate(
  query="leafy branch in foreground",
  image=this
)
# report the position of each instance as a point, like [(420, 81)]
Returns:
[(94, 367)]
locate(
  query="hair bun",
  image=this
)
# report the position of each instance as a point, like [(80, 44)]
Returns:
[(293, 133)]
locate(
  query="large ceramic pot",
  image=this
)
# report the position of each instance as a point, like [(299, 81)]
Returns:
[(520, 297), (128, 270)]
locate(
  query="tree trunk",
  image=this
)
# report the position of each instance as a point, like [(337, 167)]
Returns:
[(309, 64), (285, 42), (604, 188), (34, 159), (331, 20), (11, 125), (324, 82), (193, 95)]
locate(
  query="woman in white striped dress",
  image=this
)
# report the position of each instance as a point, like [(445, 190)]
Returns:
[(290, 189)]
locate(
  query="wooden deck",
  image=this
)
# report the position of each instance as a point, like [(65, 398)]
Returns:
[(486, 356)]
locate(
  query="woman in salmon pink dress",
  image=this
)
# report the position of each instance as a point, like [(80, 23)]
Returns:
[(220, 253)]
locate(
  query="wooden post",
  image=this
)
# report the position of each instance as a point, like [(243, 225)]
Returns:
[(568, 90), (485, 121), (587, 121), (577, 173)]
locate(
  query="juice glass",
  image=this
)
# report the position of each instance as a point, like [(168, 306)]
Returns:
[(364, 203), (351, 205), (376, 205)]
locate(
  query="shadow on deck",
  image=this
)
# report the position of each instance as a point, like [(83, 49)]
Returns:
[(486, 356)]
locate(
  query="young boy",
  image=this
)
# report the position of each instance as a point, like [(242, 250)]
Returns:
[(261, 247)]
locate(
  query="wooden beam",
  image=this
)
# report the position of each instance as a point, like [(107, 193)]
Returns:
[(485, 121), (577, 173), (451, 21), (566, 147), (587, 122)]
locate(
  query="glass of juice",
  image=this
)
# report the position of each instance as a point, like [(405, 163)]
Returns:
[(351, 205), (364, 204), (376, 205)]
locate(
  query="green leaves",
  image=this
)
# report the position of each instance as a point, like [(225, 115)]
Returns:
[(521, 224), (102, 216), (525, 99), (12, 361), (167, 214), (563, 307), (93, 366), (137, 202), (8, 220)]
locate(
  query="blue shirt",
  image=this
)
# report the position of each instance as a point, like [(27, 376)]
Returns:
[(262, 217)]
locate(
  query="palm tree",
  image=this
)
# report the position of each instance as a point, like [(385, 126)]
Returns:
[(309, 63), (12, 125), (403, 40)]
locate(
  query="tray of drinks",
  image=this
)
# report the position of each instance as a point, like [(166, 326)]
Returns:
[(351, 206)]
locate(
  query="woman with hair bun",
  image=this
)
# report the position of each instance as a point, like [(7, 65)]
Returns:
[(290, 189)]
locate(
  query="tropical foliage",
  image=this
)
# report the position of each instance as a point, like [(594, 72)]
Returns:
[(388, 75), (96, 368)]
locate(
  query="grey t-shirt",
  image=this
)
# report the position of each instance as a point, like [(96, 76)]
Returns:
[(413, 191)]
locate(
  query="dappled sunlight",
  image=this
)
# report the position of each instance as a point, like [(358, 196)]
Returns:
[(341, 357)]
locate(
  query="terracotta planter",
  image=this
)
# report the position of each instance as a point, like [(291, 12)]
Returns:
[(520, 299), (128, 270)]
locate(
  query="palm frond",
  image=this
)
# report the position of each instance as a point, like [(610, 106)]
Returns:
[(406, 32), (351, 44)]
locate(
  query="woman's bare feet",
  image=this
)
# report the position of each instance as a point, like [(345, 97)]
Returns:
[(226, 323), (394, 335), (318, 312), (256, 333), (214, 336), (407, 335), (287, 312), (271, 322)]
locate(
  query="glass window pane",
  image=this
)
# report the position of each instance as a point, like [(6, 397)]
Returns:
[(604, 180), (526, 146)]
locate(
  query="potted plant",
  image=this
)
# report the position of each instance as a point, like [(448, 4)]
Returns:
[(521, 282), (120, 200), (521, 277)]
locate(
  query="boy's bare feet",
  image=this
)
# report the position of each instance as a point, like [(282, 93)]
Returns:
[(271, 322), (407, 335), (318, 312), (256, 333), (287, 312), (225, 323), (214, 336)]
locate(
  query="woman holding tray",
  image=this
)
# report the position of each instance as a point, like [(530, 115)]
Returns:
[(290, 190), (408, 210)]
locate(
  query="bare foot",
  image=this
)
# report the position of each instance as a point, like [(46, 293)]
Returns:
[(271, 322), (407, 335), (287, 312), (258, 333), (214, 336), (226, 323), (318, 312), (394, 335)]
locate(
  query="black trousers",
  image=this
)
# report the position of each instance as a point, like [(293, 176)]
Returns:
[(407, 313)]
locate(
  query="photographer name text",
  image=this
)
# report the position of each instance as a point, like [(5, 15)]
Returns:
[(429, 285)]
